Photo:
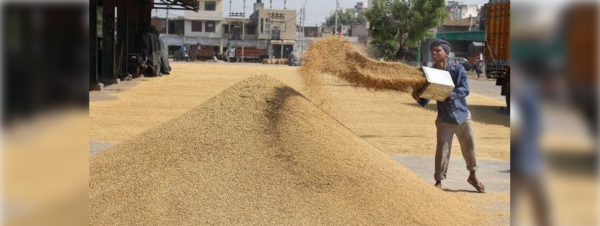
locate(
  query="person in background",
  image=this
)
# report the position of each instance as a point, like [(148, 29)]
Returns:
[(453, 118), (478, 67)]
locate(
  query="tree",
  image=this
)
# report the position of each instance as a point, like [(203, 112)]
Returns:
[(385, 49), (406, 22), (345, 18)]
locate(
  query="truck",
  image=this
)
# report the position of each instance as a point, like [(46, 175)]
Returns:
[(253, 54), (497, 47), (202, 52)]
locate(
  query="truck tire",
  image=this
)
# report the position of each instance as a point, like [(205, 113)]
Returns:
[(508, 96)]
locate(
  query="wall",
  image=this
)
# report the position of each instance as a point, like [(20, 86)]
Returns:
[(445, 28), (287, 24), (469, 11), (202, 14), (224, 25), (360, 30), (176, 26), (217, 34)]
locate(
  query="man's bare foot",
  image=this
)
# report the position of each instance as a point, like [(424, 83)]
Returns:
[(438, 184)]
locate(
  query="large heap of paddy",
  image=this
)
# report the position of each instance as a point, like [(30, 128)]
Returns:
[(260, 153)]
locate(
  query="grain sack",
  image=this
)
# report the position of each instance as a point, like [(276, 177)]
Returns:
[(260, 153)]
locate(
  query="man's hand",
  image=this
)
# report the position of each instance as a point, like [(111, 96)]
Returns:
[(416, 97)]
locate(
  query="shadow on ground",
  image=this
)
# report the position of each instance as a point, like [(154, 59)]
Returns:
[(458, 190)]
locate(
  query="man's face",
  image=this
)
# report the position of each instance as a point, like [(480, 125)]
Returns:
[(438, 53)]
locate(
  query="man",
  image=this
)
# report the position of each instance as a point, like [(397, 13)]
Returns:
[(478, 67), (453, 118)]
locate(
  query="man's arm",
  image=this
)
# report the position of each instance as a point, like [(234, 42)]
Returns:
[(462, 86)]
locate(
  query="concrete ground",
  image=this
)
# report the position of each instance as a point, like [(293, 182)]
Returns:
[(494, 174), (97, 147)]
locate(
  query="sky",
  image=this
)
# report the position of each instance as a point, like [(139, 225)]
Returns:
[(316, 10)]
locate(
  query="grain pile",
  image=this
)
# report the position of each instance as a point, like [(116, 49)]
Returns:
[(338, 57), (260, 153)]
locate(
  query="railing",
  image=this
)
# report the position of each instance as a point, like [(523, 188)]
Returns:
[(177, 40)]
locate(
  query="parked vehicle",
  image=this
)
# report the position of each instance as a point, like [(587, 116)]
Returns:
[(251, 54), (497, 50), (203, 52), (182, 54), (463, 61)]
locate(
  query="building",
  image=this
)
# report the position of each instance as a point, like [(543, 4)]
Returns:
[(204, 27), (276, 28), (455, 25), (459, 10), (311, 31), (114, 44), (357, 30), (358, 8), (483, 17)]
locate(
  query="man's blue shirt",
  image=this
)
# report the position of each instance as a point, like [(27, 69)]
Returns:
[(454, 110)]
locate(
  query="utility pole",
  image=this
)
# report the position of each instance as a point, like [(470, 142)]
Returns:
[(167, 32), (243, 30), (229, 29), (300, 32), (303, 24), (337, 4), (302, 19)]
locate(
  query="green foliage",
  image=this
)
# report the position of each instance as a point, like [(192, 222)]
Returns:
[(406, 22), (385, 49), (345, 18), (410, 54)]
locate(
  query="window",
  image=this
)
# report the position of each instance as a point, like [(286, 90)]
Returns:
[(210, 6), (196, 26), (210, 26), (262, 24), (250, 30), (237, 32), (276, 33)]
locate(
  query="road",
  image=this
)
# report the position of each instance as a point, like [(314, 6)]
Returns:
[(484, 86)]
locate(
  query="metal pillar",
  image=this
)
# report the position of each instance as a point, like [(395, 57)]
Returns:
[(93, 48), (243, 30), (229, 28), (122, 38), (108, 42), (167, 31)]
